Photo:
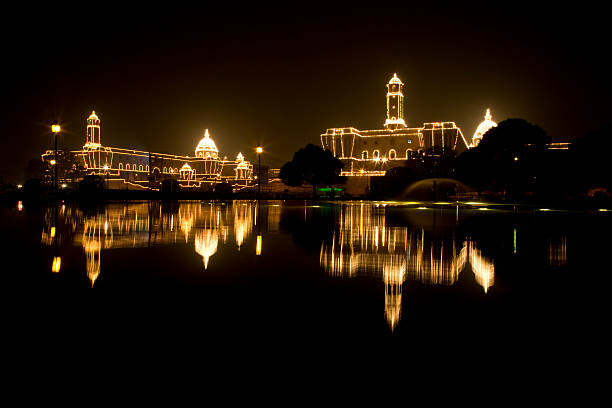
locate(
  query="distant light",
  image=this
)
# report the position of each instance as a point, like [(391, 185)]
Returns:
[(259, 150), (422, 208), (19, 186), (106, 167), (377, 159), (52, 162), (19, 205), (55, 128), (601, 209), (384, 159), (56, 265), (64, 185), (484, 209), (544, 209), (516, 159), (258, 247), (52, 232)]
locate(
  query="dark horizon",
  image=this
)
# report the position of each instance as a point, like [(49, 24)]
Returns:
[(280, 77)]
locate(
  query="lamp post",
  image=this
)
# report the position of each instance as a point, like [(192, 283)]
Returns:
[(55, 128), (259, 151)]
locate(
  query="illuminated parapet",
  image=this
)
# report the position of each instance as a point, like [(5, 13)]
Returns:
[(440, 137)]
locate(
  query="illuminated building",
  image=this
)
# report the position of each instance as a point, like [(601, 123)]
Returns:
[(134, 169), (483, 128), (373, 152)]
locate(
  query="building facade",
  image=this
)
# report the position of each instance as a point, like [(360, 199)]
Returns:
[(134, 169), (373, 152)]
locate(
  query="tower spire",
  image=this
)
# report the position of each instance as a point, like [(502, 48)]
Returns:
[(395, 104)]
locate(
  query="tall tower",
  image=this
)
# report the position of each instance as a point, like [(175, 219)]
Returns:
[(93, 130), (395, 104)]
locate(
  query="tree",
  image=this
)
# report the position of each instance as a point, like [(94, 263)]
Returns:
[(509, 158), (313, 165)]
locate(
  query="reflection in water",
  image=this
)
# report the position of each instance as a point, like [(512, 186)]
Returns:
[(557, 251), (364, 245), (148, 224)]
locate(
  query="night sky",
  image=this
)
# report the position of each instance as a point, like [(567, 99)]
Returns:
[(157, 77)]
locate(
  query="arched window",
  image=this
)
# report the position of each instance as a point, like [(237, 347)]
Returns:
[(364, 155), (127, 166), (408, 153), (392, 154), (120, 166), (147, 168), (165, 169), (140, 168), (375, 154)]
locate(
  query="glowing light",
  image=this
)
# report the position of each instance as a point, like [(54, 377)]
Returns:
[(258, 246), (19, 206), (544, 209), (52, 232), (422, 208), (515, 240), (56, 265), (603, 209), (106, 167), (19, 186), (482, 129), (515, 158), (52, 161), (64, 185), (259, 150), (55, 128)]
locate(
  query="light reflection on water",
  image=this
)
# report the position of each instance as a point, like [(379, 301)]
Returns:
[(365, 239)]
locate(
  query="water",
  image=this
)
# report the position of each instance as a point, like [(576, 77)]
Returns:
[(435, 278)]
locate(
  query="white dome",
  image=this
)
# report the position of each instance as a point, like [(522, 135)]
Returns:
[(483, 128), (207, 148)]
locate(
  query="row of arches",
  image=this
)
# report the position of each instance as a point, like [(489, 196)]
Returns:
[(134, 167), (392, 155)]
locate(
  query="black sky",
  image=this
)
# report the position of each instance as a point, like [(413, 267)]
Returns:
[(158, 77)]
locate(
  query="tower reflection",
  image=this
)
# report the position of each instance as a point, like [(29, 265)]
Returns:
[(366, 244)]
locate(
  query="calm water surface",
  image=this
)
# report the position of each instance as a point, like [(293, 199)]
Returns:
[(432, 275)]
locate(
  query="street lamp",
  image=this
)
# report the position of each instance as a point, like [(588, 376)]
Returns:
[(55, 128), (259, 151)]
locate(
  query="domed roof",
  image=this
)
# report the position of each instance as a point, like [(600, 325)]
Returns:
[(93, 116), (206, 145), (186, 167), (484, 126), (395, 80)]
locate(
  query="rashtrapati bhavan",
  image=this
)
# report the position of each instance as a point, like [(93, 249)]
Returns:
[(134, 169), (373, 152)]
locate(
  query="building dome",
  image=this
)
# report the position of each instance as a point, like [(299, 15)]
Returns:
[(483, 128), (395, 80), (207, 148)]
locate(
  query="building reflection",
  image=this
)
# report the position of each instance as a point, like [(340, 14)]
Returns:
[(364, 244), (145, 224), (557, 251)]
